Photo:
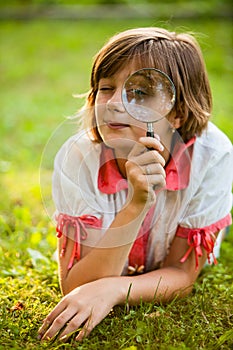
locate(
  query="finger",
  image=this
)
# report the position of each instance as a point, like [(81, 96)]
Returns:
[(149, 157), (73, 325), (59, 322), (152, 142), (157, 181), (91, 323), (86, 330), (153, 157), (43, 329), (137, 149), (144, 144), (153, 169), (61, 306)]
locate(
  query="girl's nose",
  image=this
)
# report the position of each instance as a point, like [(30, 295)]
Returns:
[(114, 104)]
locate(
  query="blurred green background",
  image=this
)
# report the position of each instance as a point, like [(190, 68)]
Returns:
[(46, 50)]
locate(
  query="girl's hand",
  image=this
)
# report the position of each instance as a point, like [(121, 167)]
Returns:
[(85, 307), (145, 170)]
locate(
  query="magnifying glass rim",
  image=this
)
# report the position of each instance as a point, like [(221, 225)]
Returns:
[(156, 70)]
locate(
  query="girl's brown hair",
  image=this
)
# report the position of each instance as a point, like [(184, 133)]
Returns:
[(178, 55)]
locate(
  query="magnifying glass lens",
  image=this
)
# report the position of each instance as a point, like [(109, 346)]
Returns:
[(148, 95)]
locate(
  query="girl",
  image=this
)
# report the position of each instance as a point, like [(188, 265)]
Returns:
[(137, 216)]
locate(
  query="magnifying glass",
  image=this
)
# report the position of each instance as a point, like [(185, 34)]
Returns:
[(148, 95)]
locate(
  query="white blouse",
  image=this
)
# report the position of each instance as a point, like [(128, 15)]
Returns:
[(196, 201)]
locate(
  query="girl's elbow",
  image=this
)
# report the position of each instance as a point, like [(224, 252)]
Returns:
[(65, 287)]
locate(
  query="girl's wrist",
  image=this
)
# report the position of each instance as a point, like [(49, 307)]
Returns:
[(140, 201), (121, 287), (136, 208), (138, 211)]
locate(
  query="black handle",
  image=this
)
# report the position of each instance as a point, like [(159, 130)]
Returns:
[(150, 133)]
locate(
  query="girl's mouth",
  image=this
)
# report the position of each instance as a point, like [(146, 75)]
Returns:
[(112, 125)]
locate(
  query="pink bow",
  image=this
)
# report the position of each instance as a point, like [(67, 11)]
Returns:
[(79, 224), (198, 238)]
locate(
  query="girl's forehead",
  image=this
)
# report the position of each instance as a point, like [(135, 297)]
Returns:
[(124, 71)]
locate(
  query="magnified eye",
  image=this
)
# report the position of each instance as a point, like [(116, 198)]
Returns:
[(136, 95), (139, 93)]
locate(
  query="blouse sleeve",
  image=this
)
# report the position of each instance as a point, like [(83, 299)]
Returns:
[(74, 194), (209, 208), (73, 180)]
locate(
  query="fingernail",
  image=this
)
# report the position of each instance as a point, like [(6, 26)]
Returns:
[(79, 337), (161, 148), (63, 338)]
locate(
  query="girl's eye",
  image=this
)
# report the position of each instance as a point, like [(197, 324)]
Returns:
[(136, 95), (139, 92), (105, 88)]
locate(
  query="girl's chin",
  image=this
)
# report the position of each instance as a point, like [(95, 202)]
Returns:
[(121, 144)]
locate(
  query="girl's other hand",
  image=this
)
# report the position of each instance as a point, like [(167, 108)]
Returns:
[(85, 307)]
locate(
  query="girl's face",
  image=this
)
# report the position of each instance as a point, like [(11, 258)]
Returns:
[(116, 127)]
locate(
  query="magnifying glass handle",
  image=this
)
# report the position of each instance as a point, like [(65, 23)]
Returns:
[(150, 130), (150, 134)]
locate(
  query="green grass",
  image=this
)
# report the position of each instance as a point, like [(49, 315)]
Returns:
[(42, 65)]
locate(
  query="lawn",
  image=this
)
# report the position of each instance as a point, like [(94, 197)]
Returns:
[(42, 64)]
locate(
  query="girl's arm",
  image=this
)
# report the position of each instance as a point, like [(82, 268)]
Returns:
[(89, 304), (174, 279), (109, 255)]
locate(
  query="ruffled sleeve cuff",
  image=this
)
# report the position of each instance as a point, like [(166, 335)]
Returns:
[(202, 237), (79, 224)]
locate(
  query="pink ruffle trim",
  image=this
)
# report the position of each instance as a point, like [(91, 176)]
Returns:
[(79, 223), (202, 237)]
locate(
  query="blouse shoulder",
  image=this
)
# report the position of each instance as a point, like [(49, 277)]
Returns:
[(76, 149), (212, 149), (209, 195), (79, 140), (74, 176), (215, 140)]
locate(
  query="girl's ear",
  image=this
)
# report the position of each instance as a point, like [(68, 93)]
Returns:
[(175, 120)]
